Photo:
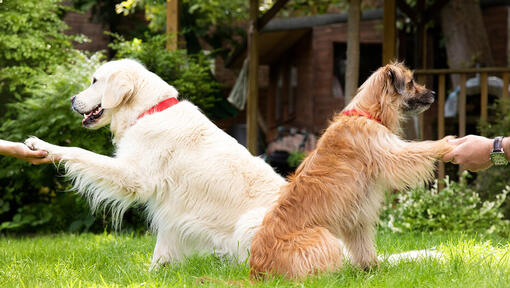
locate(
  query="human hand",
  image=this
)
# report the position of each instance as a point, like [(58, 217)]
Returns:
[(36, 157), (472, 152)]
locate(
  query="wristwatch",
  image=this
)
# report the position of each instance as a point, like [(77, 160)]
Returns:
[(498, 156)]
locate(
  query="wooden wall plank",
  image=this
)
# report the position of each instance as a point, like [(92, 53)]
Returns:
[(484, 93), (390, 31), (253, 87)]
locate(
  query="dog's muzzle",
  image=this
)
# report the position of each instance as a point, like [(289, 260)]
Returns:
[(420, 102)]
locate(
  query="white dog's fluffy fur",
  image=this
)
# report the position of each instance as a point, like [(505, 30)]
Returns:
[(204, 192)]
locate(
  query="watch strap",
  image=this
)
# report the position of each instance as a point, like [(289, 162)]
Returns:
[(498, 144)]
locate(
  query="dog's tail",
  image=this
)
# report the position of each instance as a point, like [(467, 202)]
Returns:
[(295, 254)]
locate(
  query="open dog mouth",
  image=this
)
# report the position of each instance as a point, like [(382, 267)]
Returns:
[(92, 116)]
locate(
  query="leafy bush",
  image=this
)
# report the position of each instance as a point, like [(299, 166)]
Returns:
[(189, 74), (32, 42), (457, 207), (295, 158), (33, 196), (491, 181)]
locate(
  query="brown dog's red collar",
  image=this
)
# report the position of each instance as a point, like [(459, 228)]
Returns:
[(165, 104), (355, 112)]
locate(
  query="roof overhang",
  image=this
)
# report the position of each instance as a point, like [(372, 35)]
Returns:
[(282, 33)]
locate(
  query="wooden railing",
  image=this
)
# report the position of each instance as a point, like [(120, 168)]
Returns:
[(441, 74)]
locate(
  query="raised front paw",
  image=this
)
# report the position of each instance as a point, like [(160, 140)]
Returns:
[(35, 143), (444, 147), (449, 137)]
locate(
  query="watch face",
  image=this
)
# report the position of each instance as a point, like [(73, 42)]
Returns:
[(498, 158)]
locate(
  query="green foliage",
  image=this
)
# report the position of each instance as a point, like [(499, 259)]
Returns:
[(206, 12), (32, 42), (489, 182), (33, 79), (295, 158), (455, 208), (311, 7), (189, 74), (34, 196), (222, 24)]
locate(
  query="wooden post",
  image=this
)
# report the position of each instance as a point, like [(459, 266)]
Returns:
[(172, 24), (352, 69), (484, 91), (440, 124), (390, 31), (253, 87), (462, 106), (462, 110)]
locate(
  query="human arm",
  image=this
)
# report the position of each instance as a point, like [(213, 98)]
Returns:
[(506, 147), (473, 152), (21, 151)]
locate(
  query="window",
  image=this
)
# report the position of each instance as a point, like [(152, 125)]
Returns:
[(370, 60)]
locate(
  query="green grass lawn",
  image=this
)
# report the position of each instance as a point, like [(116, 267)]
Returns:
[(90, 260)]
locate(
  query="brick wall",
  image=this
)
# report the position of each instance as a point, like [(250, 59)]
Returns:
[(312, 56), (300, 58), (323, 41), (81, 24)]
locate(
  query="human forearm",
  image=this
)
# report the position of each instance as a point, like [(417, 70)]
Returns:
[(6, 148), (21, 151), (506, 147)]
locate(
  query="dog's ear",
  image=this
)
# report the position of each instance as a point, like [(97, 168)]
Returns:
[(119, 88), (397, 80)]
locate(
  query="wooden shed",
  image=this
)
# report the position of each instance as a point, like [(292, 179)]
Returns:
[(306, 59)]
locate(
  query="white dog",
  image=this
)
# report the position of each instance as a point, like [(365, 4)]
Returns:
[(204, 192)]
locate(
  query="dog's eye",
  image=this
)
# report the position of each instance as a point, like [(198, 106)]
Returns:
[(94, 80), (410, 84)]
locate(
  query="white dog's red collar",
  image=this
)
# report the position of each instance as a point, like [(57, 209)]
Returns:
[(165, 104)]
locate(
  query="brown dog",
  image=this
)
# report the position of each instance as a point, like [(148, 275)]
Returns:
[(338, 189)]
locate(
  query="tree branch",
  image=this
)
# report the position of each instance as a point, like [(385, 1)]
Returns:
[(264, 19)]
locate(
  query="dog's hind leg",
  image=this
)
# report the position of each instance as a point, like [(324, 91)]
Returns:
[(361, 246), (166, 250), (295, 255)]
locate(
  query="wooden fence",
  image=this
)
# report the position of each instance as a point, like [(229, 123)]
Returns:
[(441, 74)]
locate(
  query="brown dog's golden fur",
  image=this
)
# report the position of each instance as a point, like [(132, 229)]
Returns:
[(337, 191)]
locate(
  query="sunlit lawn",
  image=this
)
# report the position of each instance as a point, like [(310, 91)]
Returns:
[(123, 260)]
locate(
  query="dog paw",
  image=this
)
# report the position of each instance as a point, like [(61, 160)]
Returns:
[(449, 137), (368, 265), (444, 147), (35, 143)]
